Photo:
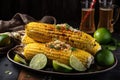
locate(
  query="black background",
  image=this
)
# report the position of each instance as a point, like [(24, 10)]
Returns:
[(61, 9)]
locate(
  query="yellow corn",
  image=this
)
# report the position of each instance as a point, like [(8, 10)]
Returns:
[(26, 39), (60, 55), (42, 32)]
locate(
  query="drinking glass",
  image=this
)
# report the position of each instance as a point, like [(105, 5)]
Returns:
[(107, 18), (87, 17)]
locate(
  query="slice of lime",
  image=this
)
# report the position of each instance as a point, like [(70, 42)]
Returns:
[(19, 59), (61, 67), (76, 64), (39, 61)]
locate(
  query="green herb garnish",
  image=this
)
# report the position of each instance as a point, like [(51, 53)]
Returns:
[(113, 45), (51, 46), (58, 27), (72, 49), (110, 47), (67, 26)]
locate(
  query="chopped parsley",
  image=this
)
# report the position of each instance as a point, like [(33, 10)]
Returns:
[(58, 27), (67, 26), (51, 46), (72, 49)]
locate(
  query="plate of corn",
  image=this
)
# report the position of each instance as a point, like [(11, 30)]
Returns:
[(57, 49)]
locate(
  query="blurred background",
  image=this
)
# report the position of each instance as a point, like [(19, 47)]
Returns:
[(63, 10)]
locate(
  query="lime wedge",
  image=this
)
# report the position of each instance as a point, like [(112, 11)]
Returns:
[(4, 40), (76, 64), (61, 67), (19, 59), (39, 61)]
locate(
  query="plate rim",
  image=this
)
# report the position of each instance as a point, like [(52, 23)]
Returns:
[(61, 73)]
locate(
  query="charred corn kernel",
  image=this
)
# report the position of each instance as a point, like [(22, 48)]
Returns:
[(42, 32), (25, 39), (59, 54)]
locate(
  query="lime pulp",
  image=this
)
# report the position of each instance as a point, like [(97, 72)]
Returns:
[(76, 64), (39, 61), (61, 67)]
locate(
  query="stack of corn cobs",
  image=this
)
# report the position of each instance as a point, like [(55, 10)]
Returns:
[(59, 42)]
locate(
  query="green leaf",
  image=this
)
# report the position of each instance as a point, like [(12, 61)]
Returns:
[(118, 44), (51, 46), (110, 47), (73, 49), (67, 26), (58, 27), (114, 41)]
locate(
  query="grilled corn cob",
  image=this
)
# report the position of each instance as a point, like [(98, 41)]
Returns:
[(25, 39), (59, 51), (42, 32)]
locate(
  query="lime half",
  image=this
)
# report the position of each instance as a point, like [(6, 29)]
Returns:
[(61, 67), (39, 61), (76, 64)]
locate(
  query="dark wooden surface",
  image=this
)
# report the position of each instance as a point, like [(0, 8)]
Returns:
[(5, 67)]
